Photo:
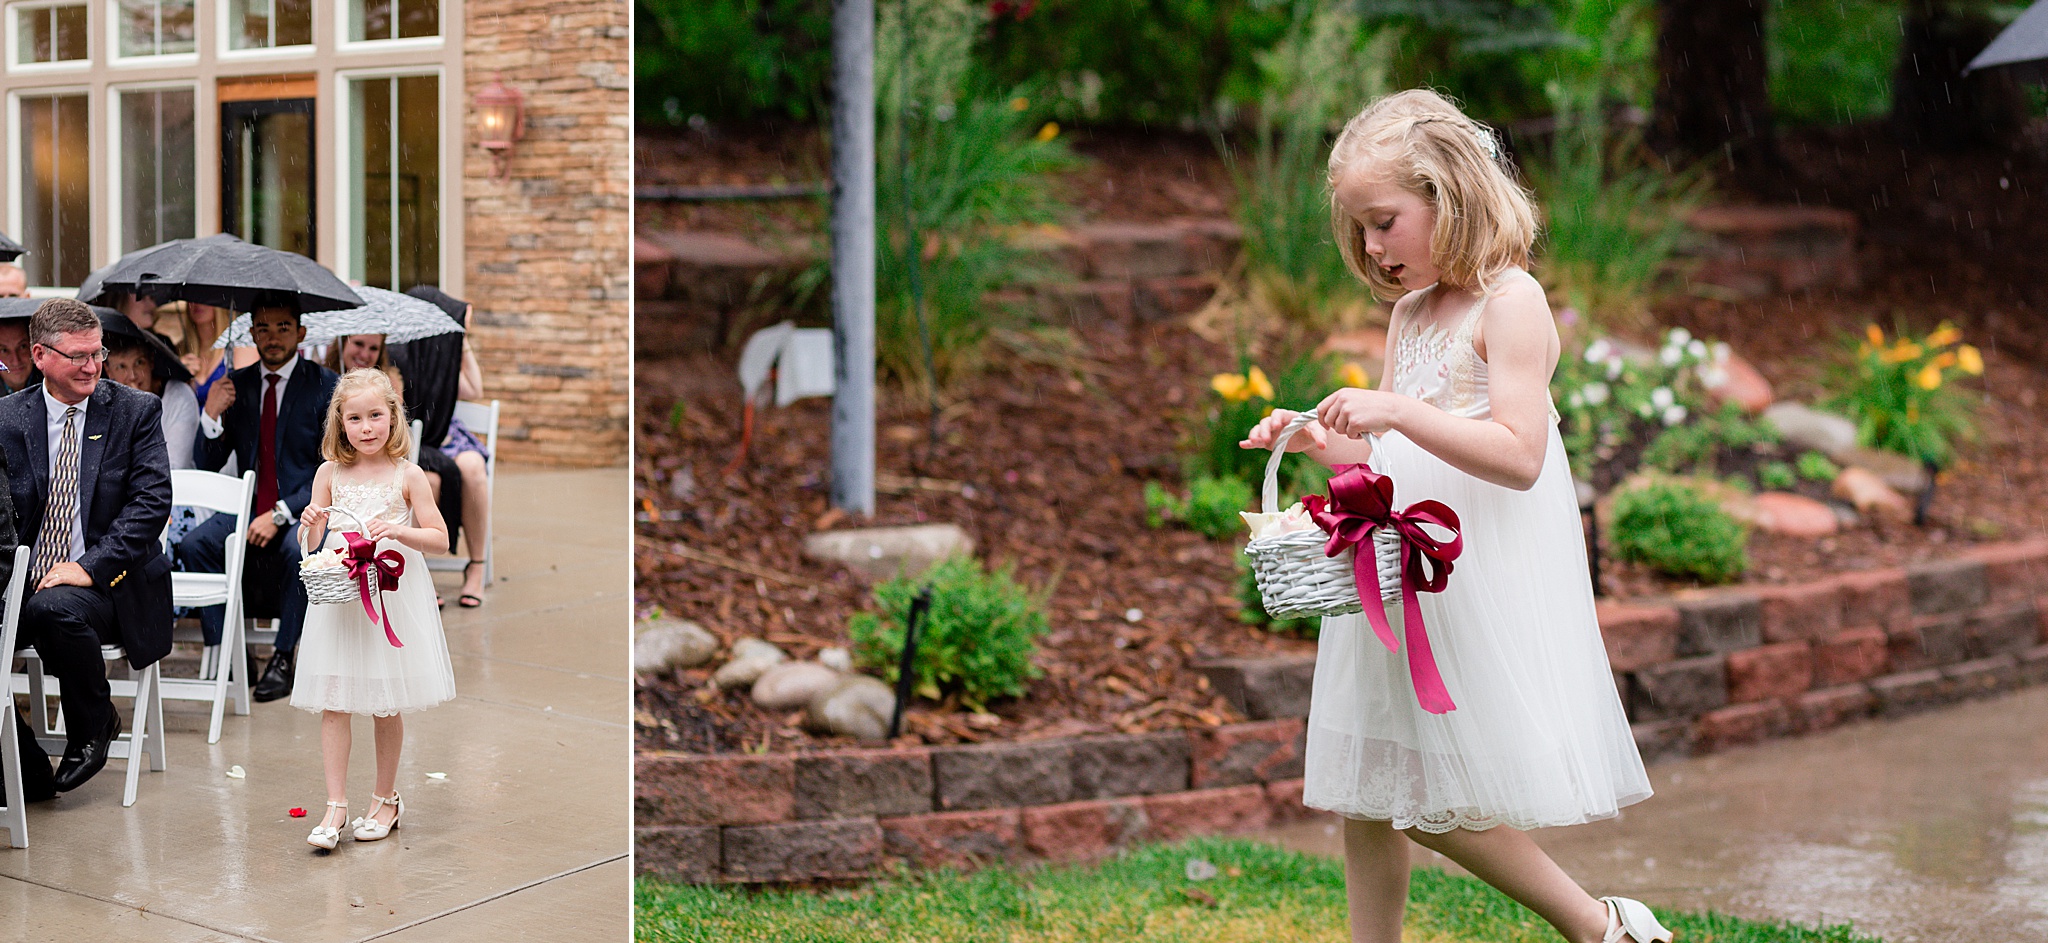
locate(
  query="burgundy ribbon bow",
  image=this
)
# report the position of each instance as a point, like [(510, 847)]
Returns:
[(1362, 500), (363, 563)]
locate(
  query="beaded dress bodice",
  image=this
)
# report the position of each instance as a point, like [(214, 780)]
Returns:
[(1442, 367)]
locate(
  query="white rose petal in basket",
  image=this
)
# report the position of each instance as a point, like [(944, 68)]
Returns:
[(1296, 579), (326, 577)]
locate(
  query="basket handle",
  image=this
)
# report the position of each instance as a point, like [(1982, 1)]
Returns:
[(330, 510), (1269, 492)]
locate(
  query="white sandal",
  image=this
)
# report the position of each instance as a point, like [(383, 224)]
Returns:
[(1631, 920), (368, 828), (328, 836)]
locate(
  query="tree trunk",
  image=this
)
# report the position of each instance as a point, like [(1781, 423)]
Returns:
[(1934, 105), (1713, 92)]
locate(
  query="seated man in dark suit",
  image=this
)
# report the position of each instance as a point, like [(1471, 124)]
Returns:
[(270, 417), (90, 483)]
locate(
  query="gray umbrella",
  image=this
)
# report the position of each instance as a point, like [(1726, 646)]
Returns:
[(400, 318), (225, 272), (2021, 47)]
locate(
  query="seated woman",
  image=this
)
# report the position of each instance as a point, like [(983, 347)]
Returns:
[(441, 370), (139, 359), (202, 325)]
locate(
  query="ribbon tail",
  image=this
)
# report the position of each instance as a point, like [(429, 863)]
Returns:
[(1422, 671), (389, 635), (1365, 571)]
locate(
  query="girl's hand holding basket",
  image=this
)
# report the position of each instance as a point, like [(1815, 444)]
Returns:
[(1269, 429)]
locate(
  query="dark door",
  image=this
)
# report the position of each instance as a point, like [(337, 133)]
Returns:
[(266, 184)]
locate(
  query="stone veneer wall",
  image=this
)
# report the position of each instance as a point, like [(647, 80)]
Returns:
[(549, 247), (1698, 672)]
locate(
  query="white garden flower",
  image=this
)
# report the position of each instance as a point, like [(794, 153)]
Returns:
[(1697, 348), (1614, 367), (1670, 356), (1678, 337), (1576, 401), (1595, 392), (1712, 377), (1674, 415), (1662, 397), (1721, 351), (1599, 350)]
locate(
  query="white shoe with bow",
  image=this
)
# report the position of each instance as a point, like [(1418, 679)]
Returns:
[(368, 828), (325, 835), (1630, 921)]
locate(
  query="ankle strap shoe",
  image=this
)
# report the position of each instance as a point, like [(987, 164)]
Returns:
[(1630, 921)]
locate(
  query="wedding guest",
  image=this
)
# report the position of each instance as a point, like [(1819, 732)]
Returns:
[(144, 365), (15, 364), (197, 353), (13, 281), (439, 371)]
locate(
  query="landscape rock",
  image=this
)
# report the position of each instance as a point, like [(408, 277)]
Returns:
[(1742, 385), (1869, 494), (751, 658), (793, 684), (668, 644), (859, 707), (1365, 344), (837, 659), (1794, 515), (1806, 428), (1903, 474), (878, 553)]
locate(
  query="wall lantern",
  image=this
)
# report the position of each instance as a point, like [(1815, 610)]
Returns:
[(501, 118)]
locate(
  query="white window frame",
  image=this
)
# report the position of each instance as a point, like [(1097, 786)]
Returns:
[(14, 158), (223, 40), (111, 11), (343, 21), (344, 164), (113, 152), (14, 31)]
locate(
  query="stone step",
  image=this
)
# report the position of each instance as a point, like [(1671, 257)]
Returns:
[(1754, 251)]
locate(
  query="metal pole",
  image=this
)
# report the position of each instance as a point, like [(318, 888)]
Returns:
[(904, 677), (853, 255)]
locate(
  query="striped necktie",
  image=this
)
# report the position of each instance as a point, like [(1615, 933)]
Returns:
[(53, 542)]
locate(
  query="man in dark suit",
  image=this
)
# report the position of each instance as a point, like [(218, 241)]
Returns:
[(90, 483), (270, 417)]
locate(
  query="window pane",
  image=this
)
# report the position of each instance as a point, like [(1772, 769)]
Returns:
[(396, 179), (262, 24), (55, 167), (51, 34), (393, 19), (155, 27), (157, 180)]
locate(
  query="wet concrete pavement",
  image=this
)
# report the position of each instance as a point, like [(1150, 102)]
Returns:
[(525, 839), (1927, 829)]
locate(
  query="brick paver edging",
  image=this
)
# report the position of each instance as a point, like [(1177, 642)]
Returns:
[(1697, 672)]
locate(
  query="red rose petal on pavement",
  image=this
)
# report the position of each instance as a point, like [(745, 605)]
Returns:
[(298, 813)]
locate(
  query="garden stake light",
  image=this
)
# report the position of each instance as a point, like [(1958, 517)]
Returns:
[(918, 607)]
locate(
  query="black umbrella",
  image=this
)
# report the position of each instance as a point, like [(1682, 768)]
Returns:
[(9, 249), (168, 366), (19, 307), (2021, 47), (225, 272)]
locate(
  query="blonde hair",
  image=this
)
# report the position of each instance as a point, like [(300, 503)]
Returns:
[(335, 445), (1419, 141)]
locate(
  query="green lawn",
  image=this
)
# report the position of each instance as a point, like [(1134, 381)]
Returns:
[(1263, 895)]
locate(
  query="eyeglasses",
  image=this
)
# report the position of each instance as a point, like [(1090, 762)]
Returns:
[(78, 360)]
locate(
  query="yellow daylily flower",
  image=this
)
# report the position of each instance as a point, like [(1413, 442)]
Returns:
[(1970, 360), (1944, 336), (1048, 131), (1019, 103), (1928, 378), (1876, 336), (1945, 360), (1901, 352), (1260, 386), (1231, 386), (1353, 375)]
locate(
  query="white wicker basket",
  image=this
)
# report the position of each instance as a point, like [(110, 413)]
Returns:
[(1295, 579), (329, 584)]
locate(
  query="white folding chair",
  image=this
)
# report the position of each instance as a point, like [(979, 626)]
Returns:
[(144, 736), (481, 418), (223, 677), (13, 815)]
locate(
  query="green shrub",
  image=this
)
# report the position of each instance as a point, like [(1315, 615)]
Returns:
[(1675, 529), (1160, 505), (1776, 476), (1814, 466), (977, 640), (967, 163), (1900, 394), (1210, 509), (731, 59), (1607, 400), (1831, 61)]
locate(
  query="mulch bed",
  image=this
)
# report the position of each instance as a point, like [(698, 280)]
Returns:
[(1053, 460)]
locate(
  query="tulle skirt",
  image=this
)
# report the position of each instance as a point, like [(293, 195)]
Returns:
[(345, 664), (1538, 737)]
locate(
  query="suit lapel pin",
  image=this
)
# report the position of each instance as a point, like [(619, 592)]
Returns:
[(93, 437)]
